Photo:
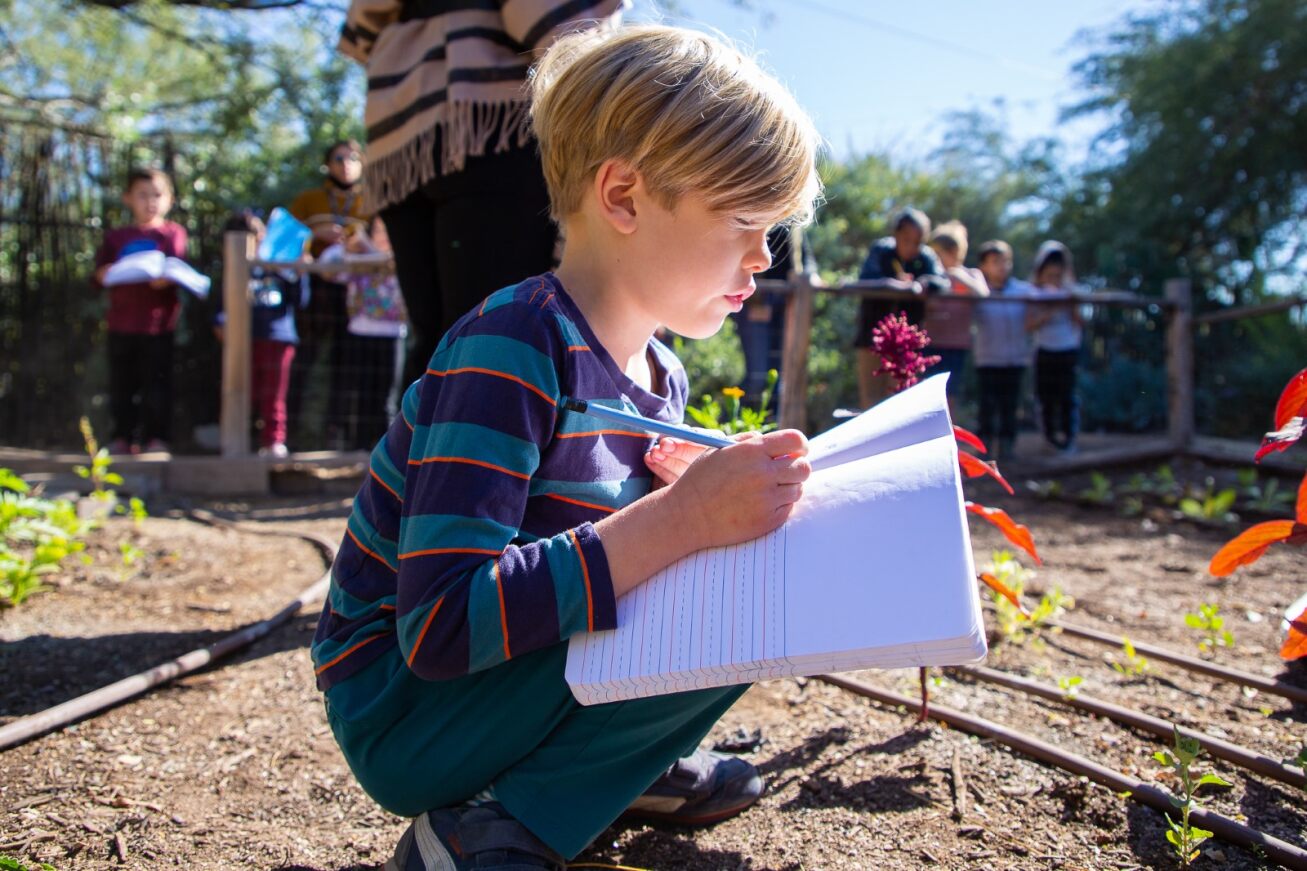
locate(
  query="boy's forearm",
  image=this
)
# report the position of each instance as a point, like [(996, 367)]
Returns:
[(645, 537)]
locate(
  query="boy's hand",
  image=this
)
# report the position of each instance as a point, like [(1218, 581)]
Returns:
[(738, 493), (160, 283), (101, 273)]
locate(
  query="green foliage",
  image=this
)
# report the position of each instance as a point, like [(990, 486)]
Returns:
[(1211, 624), (1267, 498), (36, 536), (732, 416), (1184, 838), (1012, 625), (1070, 685), (1299, 761), (711, 364), (1208, 503), (1132, 665), (1099, 490), (1200, 168)]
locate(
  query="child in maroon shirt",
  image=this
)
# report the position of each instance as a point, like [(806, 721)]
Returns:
[(141, 318)]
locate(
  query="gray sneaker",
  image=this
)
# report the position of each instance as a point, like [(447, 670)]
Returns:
[(483, 837), (703, 788)]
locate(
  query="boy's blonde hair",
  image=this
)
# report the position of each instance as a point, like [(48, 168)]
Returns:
[(951, 236), (689, 113)]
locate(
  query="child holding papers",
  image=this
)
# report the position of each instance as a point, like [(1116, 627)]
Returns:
[(496, 523), (142, 318)]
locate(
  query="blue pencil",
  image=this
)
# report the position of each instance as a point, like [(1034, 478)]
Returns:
[(668, 429)]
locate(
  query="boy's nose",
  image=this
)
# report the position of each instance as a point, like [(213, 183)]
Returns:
[(760, 254)]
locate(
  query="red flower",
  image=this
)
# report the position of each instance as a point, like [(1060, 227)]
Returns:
[(899, 345)]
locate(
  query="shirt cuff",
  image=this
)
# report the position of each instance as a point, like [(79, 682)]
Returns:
[(599, 580)]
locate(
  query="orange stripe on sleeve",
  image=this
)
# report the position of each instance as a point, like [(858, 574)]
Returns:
[(423, 634), (326, 665), (361, 546), (471, 462), (437, 550), (585, 574), (497, 374), (603, 432), (503, 611), (594, 505), (578, 347), (389, 488)]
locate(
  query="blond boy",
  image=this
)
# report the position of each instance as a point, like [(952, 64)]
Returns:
[(494, 525)]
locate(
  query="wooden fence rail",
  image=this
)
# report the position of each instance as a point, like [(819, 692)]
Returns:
[(800, 292)]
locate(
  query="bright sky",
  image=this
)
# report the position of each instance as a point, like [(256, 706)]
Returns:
[(878, 75)]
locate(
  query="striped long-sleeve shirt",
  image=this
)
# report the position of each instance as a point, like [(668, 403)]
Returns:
[(471, 540), (449, 74)]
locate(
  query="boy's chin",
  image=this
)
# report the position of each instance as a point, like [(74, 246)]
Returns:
[(700, 330)]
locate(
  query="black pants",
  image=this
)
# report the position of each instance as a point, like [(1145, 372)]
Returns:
[(464, 236), (1000, 397), (314, 408), (1055, 385), (368, 364), (140, 386)]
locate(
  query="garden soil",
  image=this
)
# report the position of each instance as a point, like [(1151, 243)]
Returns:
[(234, 767)]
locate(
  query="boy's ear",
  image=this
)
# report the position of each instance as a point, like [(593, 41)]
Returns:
[(615, 185)]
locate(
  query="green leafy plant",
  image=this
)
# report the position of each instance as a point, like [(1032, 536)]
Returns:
[(9, 863), (1099, 491), (1132, 665), (1267, 498), (1209, 503), (135, 510), (1299, 761), (1211, 624), (1184, 838), (130, 553), (731, 416), (36, 536), (1050, 489), (98, 472), (1013, 625), (1070, 685)]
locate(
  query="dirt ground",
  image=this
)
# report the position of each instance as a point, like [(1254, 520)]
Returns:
[(235, 767)]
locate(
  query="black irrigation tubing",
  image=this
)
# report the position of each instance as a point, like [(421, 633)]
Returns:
[(1223, 827), (1233, 675), (1221, 749), (29, 727)]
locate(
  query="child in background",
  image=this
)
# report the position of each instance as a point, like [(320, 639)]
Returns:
[(1002, 350), (948, 320), (494, 524), (274, 298), (142, 318), (1058, 332)]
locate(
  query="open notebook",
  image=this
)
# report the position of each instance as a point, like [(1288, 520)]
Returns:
[(873, 570), (149, 265)]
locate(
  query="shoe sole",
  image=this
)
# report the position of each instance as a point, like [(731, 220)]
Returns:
[(690, 820)]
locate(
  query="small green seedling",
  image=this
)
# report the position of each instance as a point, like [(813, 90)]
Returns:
[(98, 472), (1070, 686), (130, 553), (1165, 485), (135, 509), (1132, 665), (1209, 621), (1099, 491), (1300, 761), (1209, 503), (1184, 838), (1267, 498)]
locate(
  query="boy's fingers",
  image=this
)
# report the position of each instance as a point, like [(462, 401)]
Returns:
[(785, 441), (793, 470)]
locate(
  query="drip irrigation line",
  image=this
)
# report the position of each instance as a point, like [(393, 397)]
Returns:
[(26, 728), (1161, 654), (1223, 827), (1221, 749)]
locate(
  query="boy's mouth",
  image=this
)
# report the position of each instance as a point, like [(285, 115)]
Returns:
[(737, 299)]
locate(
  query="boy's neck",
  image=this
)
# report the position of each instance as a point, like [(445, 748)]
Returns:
[(610, 307), (151, 224)]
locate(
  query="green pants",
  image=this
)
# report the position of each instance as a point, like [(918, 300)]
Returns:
[(563, 770)]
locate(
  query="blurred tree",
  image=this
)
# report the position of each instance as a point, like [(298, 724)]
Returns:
[(1200, 171)]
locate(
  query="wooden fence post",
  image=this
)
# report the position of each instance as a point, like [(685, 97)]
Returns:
[(1180, 363), (234, 426), (794, 353)]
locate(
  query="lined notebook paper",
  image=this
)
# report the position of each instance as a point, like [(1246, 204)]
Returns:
[(873, 570)]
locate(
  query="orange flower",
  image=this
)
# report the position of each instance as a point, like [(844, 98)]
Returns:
[(733, 392)]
